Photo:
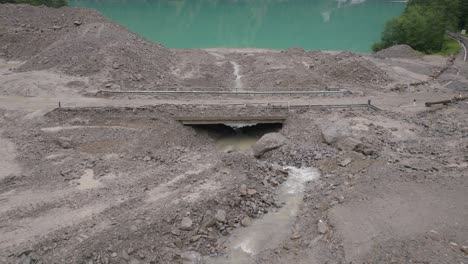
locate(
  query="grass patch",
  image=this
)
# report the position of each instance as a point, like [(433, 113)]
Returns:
[(450, 47)]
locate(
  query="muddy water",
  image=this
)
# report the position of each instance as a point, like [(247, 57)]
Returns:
[(269, 231), (237, 142)]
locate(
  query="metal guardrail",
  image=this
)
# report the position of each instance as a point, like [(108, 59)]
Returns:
[(101, 92), (273, 105)]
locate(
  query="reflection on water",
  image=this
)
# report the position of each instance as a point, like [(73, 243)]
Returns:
[(311, 24)]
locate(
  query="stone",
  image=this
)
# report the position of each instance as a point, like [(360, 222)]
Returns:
[(77, 23), (246, 221), (334, 131), (115, 66), (191, 257), (366, 150), (348, 143), (267, 143), (322, 227), (175, 232), (64, 142), (186, 224), (345, 162), (220, 216), (113, 255), (208, 220), (243, 189), (146, 159), (318, 156), (251, 192)]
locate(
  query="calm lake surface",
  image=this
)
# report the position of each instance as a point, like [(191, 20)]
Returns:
[(278, 24)]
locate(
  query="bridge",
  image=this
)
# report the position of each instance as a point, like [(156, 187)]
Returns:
[(243, 120)]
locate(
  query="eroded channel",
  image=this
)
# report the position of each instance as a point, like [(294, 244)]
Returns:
[(269, 231)]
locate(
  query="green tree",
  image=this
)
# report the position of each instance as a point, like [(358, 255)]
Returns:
[(423, 24)]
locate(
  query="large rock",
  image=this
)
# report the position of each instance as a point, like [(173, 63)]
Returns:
[(333, 132), (339, 134), (267, 143)]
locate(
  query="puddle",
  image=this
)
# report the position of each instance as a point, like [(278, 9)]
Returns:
[(87, 181), (273, 228)]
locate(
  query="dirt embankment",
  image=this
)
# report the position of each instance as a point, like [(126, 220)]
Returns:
[(81, 42), (133, 185), (116, 185)]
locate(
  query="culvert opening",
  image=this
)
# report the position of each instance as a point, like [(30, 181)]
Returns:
[(236, 137)]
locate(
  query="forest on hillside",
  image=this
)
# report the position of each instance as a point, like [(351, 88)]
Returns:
[(424, 23)]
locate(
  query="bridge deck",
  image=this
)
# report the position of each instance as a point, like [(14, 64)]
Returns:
[(213, 120)]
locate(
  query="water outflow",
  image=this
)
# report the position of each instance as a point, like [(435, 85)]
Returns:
[(272, 229), (237, 82)]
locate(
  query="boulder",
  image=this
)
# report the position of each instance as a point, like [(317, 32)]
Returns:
[(335, 131), (267, 143)]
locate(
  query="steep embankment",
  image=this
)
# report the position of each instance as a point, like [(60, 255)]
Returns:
[(81, 42)]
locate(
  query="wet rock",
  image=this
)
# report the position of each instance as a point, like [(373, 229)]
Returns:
[(64, 142), (345, 162), (186, 224), (246, 221), (220, 216), (191, 257), (322, 227), (267, 143)]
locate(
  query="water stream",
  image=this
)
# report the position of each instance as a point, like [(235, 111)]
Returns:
[(272, 229)]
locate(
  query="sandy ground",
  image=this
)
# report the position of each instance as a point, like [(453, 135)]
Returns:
[(118, 179)]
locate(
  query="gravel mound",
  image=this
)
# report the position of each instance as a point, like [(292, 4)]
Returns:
[(351, 68), (81, 42), (399, 51), (27, 30)]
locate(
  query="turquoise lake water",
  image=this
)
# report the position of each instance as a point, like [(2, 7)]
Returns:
[(278, 24)]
